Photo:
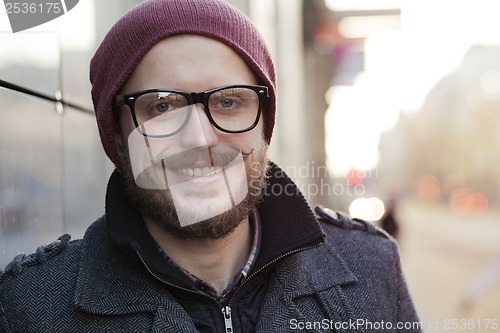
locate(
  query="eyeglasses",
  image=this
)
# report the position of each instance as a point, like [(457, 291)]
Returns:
[(165, 112)]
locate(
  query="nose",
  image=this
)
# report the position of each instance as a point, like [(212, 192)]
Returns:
[(199, 131)]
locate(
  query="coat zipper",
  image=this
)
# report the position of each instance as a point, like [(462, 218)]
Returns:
[(228, 321)]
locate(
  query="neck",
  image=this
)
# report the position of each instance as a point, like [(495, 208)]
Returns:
[(216, 261)]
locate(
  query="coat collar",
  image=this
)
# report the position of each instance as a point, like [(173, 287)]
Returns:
[(112, 280)]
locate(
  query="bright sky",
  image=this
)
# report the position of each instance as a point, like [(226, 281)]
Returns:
[(401, 67), (340, 5)]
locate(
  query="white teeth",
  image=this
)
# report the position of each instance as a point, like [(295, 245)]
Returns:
[(200, 172)]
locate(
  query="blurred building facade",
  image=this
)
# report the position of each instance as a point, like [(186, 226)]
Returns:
[(455, 138)]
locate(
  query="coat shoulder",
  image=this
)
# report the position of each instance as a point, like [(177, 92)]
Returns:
[(359, 242), (44, 256), (61, 255), (330, 218)]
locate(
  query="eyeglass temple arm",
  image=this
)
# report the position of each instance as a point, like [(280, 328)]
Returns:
[(118, 101)]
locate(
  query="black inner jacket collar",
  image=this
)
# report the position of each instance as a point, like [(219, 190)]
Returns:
[(288, 225)]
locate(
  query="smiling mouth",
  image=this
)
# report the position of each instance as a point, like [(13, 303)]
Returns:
[(201, 172), (202, 161)]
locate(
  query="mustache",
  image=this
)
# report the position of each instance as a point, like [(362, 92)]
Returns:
[(204, 156)]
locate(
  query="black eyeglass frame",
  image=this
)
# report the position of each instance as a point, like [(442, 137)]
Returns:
[(194, 98)]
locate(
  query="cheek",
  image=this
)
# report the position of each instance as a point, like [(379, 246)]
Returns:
[(255, 137)]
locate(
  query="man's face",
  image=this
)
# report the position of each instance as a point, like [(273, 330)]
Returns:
[(200, 182)]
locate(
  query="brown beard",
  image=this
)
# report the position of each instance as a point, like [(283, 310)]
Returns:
[(158, 205)]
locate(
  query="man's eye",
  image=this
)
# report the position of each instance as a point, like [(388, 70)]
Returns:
[(162, 107), (226, 103)]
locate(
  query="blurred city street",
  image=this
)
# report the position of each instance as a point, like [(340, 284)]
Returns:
[(443, 254)]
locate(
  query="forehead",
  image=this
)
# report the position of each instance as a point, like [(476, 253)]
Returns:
[(189, 62)]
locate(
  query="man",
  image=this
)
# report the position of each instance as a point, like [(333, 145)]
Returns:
[(191, 241)]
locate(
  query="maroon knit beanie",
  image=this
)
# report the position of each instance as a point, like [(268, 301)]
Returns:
[(143, 26)]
